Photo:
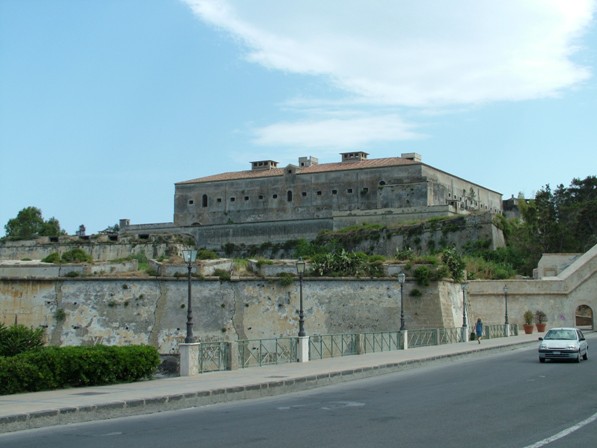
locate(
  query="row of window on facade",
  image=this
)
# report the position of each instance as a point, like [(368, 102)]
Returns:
[(289, 196)]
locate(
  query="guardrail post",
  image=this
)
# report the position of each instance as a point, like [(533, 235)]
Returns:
[(232, 356), (404, 339), (189, 358), (303, 349), (359, 342)]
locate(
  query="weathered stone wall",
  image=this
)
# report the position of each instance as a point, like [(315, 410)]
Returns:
[(133, 311), (153, 310), (432, 235), (558, 297), (100, 249)]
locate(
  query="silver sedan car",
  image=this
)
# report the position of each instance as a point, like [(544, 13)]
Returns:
[(563, 343)]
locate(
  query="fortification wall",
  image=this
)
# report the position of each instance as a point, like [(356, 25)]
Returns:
[(135, 240), (153, 310), (98, 250), (426, 236)]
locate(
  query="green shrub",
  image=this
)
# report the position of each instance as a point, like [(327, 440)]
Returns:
[(76, 256), (142, 261), (206, 254), (60, 315), (285, 279), (19, 338), (58, 367), (222, 274), (422, 275), (415, 292), (54, 257)]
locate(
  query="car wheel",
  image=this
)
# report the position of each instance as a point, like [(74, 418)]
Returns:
[(578, 356), (541, 359), (586, 355)]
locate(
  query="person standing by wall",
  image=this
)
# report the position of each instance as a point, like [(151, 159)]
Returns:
[(479, 329)]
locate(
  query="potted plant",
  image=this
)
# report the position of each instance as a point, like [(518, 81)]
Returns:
[(528, 322), (540, 320)]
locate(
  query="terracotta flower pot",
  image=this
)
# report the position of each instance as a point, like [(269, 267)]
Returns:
[(541, 327), (528, 328)]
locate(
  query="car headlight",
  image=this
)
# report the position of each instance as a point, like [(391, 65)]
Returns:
[(542, 346), (573, 346)]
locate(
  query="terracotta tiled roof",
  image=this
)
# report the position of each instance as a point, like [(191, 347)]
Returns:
[(320, 168)]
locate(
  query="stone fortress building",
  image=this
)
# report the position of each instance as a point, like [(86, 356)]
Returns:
[(268, 203)]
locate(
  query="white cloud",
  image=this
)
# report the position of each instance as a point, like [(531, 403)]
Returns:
[(337, 132), (422, 54)]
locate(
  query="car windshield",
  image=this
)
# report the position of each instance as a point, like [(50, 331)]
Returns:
[(561, 334)]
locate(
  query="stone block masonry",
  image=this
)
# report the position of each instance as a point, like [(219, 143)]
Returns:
[(122, 311)]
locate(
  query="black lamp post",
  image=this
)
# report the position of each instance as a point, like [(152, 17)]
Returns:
[(464, 289), (300, 269), (401, 280), (506, 303), (189, 256)]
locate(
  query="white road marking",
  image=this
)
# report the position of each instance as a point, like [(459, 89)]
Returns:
[(563, 433)]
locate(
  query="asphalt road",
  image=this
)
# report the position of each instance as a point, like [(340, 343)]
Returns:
[(502, 400)]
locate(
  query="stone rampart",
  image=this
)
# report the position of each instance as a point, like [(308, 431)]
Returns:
[(135, 310), (98, 249), (153, 310)]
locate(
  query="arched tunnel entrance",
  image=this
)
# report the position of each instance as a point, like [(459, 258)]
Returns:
[(584, 317)]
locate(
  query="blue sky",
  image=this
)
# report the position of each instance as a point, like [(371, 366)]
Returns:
[(106, 104)]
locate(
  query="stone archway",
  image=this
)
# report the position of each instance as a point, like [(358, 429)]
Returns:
[(584, 317)]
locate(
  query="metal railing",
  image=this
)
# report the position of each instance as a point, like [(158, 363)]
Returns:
[(263, 352), (214, 356), (323, 346), (381, 342), (499, 330)]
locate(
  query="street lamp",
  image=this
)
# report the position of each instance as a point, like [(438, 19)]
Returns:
[(189, 256), (464, 290), (300, 269), (401, 280), (506, 303)]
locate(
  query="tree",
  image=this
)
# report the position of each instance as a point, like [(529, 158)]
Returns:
[(563, 220), (29, 224), (455, 263)]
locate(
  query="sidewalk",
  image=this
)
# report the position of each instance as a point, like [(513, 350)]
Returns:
[(41, 409)]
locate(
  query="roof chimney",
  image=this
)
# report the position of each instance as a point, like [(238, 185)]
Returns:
[(411, 156)]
